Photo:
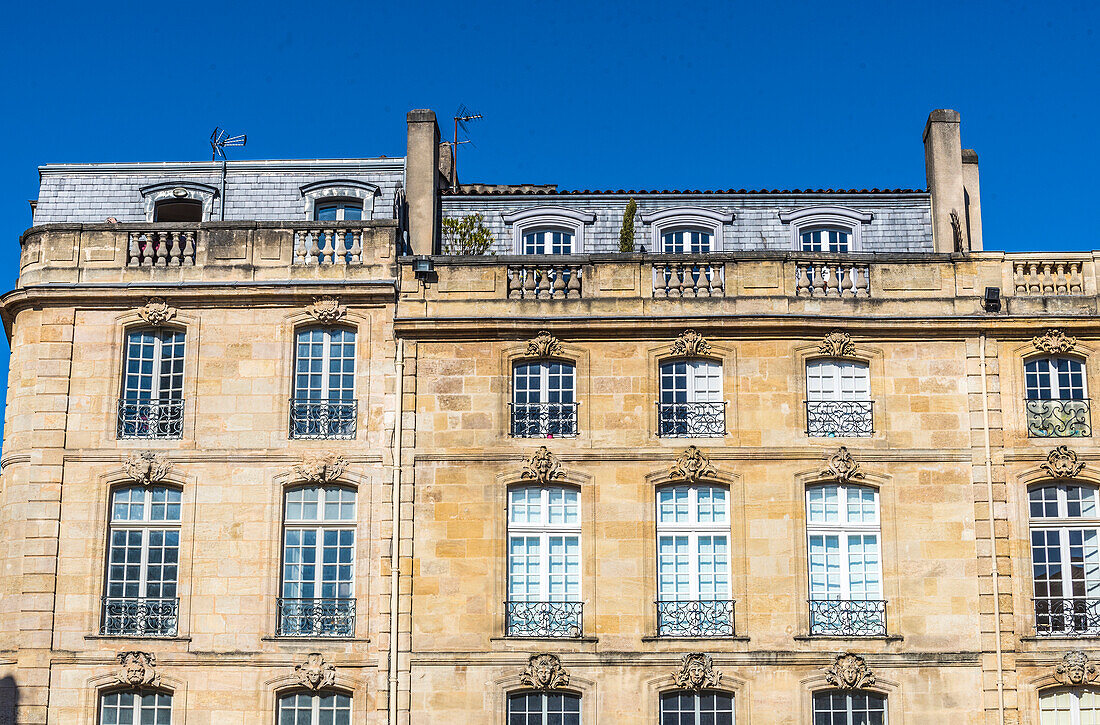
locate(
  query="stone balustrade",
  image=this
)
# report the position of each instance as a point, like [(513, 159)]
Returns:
[(688, 279), (161, 248), (328, 244), (832, 279), (1050, 277), (546, 281)]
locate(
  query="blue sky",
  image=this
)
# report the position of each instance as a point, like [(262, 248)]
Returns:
[(582, 94)]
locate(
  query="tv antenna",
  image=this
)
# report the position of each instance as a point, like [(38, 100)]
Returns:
[(219, 139), (462, 115)]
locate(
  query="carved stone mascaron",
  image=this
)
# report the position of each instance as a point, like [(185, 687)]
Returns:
[(1076, 669), (690, 343), (697, 672), (841, 467), (156, 312), (542, 467), (321, 468), (692, 466), (544, 672), (1062, 463), (327, 310), (849, 672), (544, 345), (315, 673), (146, 468), (138, 669)]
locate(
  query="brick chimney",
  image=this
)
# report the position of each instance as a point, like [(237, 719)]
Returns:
[(422, 180), (953, 185)]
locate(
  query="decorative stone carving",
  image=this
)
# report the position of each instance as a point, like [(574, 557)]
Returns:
[(544, 345), (841, 467), (1054, 341), (1062, 463), (156, 312), (697, 672), (1076, 669), (316, 674), (327, 310), (837, 344), (146, 467), (692, 466), (542, 467), (139, 669), (690, 343), (544, 672), (321, 468), (849, 672), (957, 231)]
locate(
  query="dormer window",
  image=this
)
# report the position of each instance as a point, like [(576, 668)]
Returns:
[(548, 241), (548, 230), (826, 240), (834, 229), (686, 241), (686, 230), (178, 210), (338, 211)]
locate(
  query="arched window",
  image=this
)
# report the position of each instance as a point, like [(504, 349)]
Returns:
[(544, 562), (340, 210), (1069, 706), (134, 708), (686, 241), (845, 564), (548, 241), (178, 210), (151, 405), (826, 228), (318, 592), (544, 400), (825, 239), (142, 562), (838, 399), (305, 708), (1057, 398), (544, 708), (1065, 558), (324, 404), (850, 708), (697, 708), (691, 402), (693, 562)]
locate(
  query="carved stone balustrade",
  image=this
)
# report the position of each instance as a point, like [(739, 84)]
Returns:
[(832, 279), (544, 281), (328, 244), (161, 248), (688, 279), (1046, 278)]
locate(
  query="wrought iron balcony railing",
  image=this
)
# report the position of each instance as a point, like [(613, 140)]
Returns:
[(1058, 418), (848, 617), (691, 420), (316, 617), (543, 619), (1067, 617), (839, 418), (150, 418), (699, 618), (140, 617), (323, 418), (544, 420)]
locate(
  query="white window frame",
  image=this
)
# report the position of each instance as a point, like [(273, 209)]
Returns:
[(836, 391), (147, 526), (544, 699), (341, 209), (665, 697), (336, 190), (549, 218), (157, 390), (162, 700), (836, 217), (842, 528), (1063, 523), (319, 526), (315, 704), (544, 530), (178, 191), (848, 704), (693, 529), (1076, 694), (1056, 389), (687, 218), (326, 358), (544, 393)]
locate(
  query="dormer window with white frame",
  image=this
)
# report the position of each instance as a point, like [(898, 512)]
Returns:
[(178, 201), (339, 200), (548, 230), (686, 230), (835, 229)]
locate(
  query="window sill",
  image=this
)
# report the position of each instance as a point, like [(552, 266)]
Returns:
[(848, 638), (1059, 637), (299, 638), (508, 638), (140, 637), (717, 638)]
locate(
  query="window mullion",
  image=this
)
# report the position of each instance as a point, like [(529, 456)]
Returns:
[(326, 358), (155, 381)]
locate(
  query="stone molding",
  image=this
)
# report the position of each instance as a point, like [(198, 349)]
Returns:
[(849, 672), (544, 345), (697, 672), (138, 669), (327, 310), (1076, 669), (837, 344), (544, 672), (842, 468), (146, 467), (321, 468), (1054, 341), (692, 466), (315, 674), (690, 343), (1062, 462), (543, 467), (156, 312)]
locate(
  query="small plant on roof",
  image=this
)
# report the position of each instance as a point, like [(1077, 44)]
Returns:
[(466, 235), (626, 233)]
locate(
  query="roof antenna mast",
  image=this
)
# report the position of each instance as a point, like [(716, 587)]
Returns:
[(462, 115), (219, 139)]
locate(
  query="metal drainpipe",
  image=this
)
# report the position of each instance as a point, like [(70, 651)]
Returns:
[(992, 539), (395, 538)]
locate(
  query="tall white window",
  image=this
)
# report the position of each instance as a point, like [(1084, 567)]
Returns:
[(548, 241), (135, 708), (544, 708), (691, 399), (685, 241), (544, 562), (825, 240), (838, 399), (849, 708), (151, 405), (693, 562), (544, 400), (302, 708), (696, 708), (845, 565), (318, 592), (142, 562), (324, 404), (1057, 398), (1065, 559)]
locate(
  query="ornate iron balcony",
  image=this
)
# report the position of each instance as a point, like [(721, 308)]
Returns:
[(1069, 617), (839, 418), (699, 618), (134, 617), (323, 418), (848, 617), (1058, 418), (691, 420), (316, 617), (150, 418), (543, 619), (544, 420)]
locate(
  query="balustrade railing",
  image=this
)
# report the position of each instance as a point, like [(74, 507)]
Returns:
[(543, 619), (688, 279), (323, 418), (161, 248), (316, 617), (840, 418), (699, 618), (691, 420), (848, 617), (832, 279), (544, 281), (1036, 278), (1067, 617), (150, 418), (1058, 418), (328, 244), (139, 617), (544, 420)]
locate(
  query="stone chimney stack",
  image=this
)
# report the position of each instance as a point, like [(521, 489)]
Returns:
[(956, 209), (422, 180)]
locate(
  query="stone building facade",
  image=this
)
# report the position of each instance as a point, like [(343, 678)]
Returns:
[(810, 456)]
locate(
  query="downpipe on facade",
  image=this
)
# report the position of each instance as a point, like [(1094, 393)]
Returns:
[(395, 536), (992, 538)]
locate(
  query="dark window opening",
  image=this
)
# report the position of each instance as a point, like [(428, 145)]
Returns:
[(178, 210)]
